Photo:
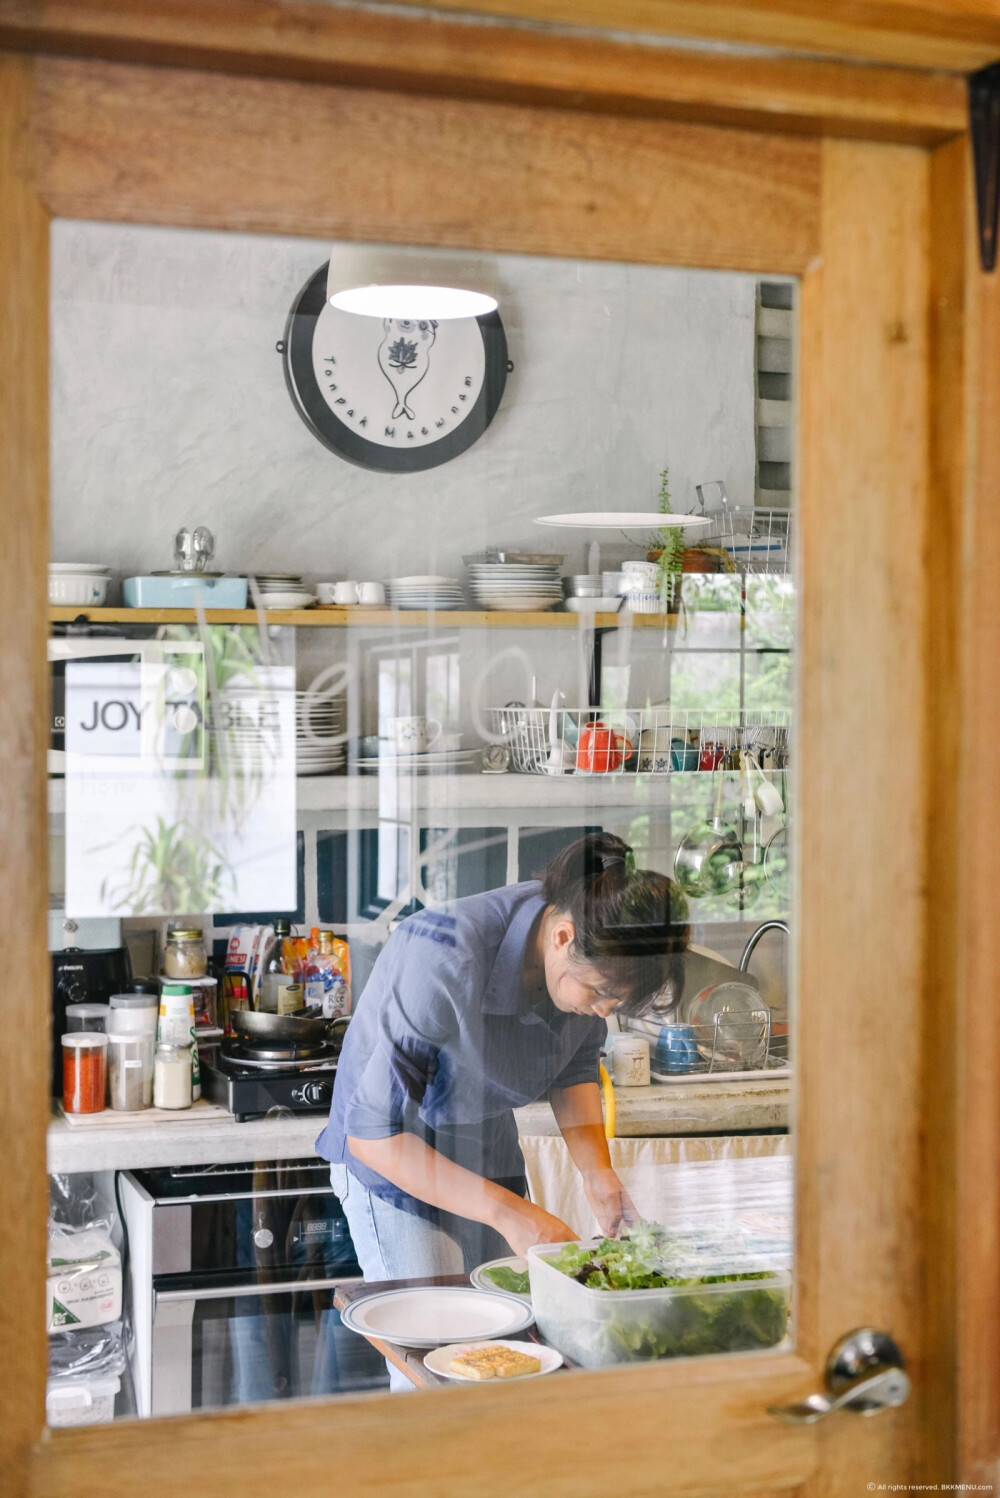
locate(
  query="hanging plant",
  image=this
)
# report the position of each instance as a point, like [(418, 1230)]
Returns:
[(672, 555)]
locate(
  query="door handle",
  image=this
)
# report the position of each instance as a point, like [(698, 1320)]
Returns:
[(865, 1373)]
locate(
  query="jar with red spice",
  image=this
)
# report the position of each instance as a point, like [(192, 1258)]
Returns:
[(85, 1070)]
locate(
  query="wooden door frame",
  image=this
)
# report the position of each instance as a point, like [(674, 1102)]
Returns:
[(86, 140)]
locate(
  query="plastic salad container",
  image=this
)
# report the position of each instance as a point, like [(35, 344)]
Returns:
[(711, 1312)]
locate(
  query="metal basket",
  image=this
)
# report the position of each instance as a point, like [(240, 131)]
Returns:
[(638, 741)]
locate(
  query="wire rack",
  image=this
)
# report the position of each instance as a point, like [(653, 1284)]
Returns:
[(757, 540), (638, 741), (725, 1047)]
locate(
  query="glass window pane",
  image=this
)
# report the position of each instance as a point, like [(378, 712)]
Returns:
[(450, 821)]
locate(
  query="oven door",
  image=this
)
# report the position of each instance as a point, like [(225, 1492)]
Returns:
[(217, 1345)]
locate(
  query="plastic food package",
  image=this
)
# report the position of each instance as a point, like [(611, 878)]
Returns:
[(83, 1285), (246, 957), (85, 1369)]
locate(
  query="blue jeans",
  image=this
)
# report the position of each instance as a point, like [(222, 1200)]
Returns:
[(395, 1245)]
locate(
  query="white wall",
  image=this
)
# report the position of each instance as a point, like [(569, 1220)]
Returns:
[(169, 407)]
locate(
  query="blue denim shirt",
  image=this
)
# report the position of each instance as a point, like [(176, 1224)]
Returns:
[(443, 1045)]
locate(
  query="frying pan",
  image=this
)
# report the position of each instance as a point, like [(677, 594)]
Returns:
[(308, 1025)]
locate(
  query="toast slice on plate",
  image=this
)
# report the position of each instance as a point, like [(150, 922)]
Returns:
[(494, 1361)]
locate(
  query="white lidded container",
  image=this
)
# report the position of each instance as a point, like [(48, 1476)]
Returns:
[(598, 1328), (81, 1401)]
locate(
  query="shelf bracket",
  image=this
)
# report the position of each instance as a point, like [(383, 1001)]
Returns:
[(984, 124)]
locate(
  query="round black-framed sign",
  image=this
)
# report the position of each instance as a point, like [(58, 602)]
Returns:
[(392, 394)]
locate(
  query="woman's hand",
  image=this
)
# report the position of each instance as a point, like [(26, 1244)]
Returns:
[(525, 1224), (613, 1207)]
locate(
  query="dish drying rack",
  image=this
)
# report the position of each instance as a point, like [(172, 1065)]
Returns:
[(764, 1052), (654, 741)]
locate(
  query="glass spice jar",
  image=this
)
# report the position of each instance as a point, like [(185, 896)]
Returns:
[(85, 1061), (172, 1076), (185, 955)]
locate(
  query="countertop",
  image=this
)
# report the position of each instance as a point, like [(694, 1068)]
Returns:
[(691, 1108)]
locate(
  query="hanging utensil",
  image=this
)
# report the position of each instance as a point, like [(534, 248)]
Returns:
[(709, 857)]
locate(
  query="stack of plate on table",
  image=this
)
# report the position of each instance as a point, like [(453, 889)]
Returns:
[(282, 590), (425, 593), (319, 734), (515, 585)]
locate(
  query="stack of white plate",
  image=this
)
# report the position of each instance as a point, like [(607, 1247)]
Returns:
[(283, 590), (319, 734), (428, 592), (388, 762), (515, 585), (78, 582)]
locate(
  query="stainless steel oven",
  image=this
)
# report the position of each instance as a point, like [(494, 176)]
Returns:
[(231, 1272)]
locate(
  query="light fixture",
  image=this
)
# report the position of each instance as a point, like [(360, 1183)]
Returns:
[(409, 285)]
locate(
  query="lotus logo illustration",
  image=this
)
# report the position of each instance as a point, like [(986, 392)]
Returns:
[(404, 357)]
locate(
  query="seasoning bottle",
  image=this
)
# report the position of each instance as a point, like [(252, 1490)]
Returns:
[(133, 1014), (184, 955), (85, 1054), (172, 1076), (130, 1072), (324, 983), (279, 993), (176, 1025)]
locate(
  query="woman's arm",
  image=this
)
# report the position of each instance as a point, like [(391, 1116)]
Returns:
[(581, 1123), (414, 1167)]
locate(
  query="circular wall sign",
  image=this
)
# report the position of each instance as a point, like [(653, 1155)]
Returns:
[(392, 394)]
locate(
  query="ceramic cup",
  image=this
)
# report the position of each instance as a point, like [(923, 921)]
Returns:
[(413, 735), (371, 593), (345, 592)]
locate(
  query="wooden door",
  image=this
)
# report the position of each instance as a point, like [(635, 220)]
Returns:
[(878, 233)]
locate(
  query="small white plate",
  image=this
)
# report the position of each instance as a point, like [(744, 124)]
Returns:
[(439, 1361), (513, 1261), (432, 1315), (625, 520)]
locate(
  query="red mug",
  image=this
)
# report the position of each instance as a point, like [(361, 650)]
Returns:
[(601, 750)]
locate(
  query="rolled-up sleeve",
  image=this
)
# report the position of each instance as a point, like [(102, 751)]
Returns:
[(390, 1089), (583, 1064)]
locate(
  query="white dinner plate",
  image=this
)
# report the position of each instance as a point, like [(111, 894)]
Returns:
[(512, 1261), (432, 1315), (623, 520), (439, 1361), (82, 567)]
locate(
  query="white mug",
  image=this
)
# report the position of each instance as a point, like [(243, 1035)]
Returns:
[(371, 593), (413, 735), (630, 1061), (325, 592), (345, 592)]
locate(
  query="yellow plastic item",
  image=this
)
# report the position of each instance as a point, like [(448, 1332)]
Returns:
[(608, 1089)]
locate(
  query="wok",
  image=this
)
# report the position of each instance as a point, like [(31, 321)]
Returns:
[(305, 1026)]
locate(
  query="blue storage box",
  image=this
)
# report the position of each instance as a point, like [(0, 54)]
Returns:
[(182, 592)]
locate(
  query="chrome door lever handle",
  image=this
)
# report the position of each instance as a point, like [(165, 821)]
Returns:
[(864, 1373)]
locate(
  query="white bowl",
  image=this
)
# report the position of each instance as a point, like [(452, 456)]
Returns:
[(592, 605), (78, 587)]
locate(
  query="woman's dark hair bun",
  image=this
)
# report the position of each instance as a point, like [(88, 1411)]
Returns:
[(629, 923)]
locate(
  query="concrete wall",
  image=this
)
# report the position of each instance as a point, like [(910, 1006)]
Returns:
[(169, 407)]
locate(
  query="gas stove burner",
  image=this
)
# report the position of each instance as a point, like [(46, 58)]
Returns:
[(273, 1054)]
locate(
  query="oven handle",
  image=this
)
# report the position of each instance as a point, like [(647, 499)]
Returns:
[(204, 1197), (239, 1292)]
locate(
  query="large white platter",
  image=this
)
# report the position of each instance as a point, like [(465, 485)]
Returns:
[(512, 1261), (618, 520), (439, 1361), (432, 1316)]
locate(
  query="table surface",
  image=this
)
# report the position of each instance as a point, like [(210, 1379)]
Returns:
[(410, 1360)]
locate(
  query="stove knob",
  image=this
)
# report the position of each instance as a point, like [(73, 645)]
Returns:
[(263, 1237), (312, 1093)]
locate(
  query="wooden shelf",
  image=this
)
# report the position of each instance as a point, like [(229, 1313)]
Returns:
[(365, 617)]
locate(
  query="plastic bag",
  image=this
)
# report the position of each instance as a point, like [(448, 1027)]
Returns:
[(93, 1350)]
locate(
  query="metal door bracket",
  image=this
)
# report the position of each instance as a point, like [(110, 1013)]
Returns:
[(984, 124), (864, 1373)]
